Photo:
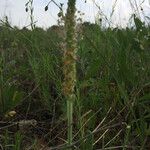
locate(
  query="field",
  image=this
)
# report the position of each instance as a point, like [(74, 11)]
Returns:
[(112, 106)]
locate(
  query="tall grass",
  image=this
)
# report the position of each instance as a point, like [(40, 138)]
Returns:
[(111, 109)]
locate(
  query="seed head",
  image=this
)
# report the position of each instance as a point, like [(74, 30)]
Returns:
[(46, 8)]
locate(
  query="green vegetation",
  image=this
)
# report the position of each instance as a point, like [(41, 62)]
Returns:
[(69, 65), (112, 104)]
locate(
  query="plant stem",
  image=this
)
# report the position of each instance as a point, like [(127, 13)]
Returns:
[(70, 120), (69, 68)]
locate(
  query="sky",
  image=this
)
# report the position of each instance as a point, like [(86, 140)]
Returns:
[(15, 10)]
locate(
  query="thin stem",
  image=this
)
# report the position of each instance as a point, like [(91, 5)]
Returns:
[(70, 121)]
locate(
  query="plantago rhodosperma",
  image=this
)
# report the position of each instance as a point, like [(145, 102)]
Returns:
[(69, 67)]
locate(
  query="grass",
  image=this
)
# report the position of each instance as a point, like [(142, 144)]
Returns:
[(111, 110)]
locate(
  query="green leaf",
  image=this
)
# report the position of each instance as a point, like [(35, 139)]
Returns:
[(138, 23)]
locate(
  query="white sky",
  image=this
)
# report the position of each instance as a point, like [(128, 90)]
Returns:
[(15, 10)]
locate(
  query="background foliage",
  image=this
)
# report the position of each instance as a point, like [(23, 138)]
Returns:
[(113, 71)]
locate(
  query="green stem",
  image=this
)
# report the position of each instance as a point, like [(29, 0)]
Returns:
[(70, 121)]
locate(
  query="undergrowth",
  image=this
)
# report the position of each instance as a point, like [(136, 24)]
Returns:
[(112, 104)]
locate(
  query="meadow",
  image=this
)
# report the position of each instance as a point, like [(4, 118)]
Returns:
[(112, 107)]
